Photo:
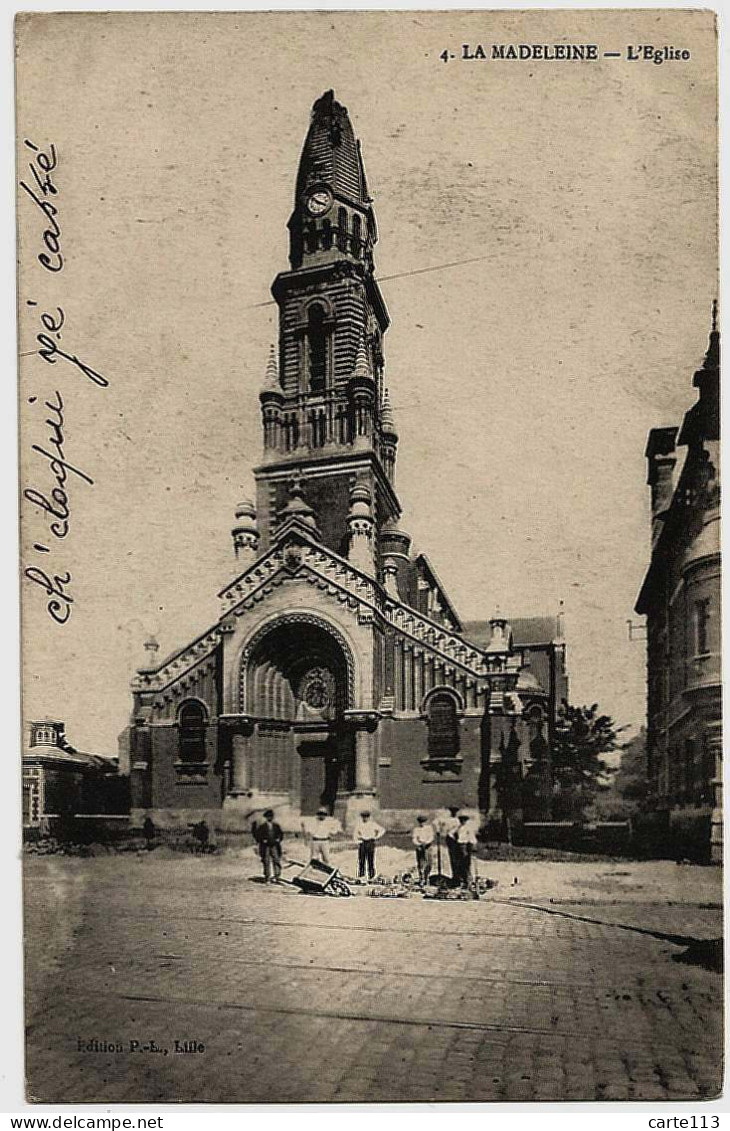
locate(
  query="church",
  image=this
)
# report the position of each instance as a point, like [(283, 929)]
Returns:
[(338, 672)]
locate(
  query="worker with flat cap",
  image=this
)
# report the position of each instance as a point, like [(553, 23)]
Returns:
[(465, 842), (367, 832), (423, 836), (320, 831), (268, 834), (446, 828)]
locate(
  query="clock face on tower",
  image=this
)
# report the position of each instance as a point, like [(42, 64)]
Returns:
[(319, 201)]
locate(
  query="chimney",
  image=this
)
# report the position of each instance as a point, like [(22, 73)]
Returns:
[(661, 459)]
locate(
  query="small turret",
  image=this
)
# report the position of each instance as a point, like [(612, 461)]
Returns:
[(501, 638), (360, 529), (361, 389), (389, 437), (272, 400), (151, 648), (245, 534)]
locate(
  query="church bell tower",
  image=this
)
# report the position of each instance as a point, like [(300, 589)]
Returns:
[(329, 435)]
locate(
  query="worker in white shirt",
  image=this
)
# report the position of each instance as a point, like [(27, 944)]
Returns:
[(423, 836), (367, 831), (320, 832), (446, 828), (465, 841)]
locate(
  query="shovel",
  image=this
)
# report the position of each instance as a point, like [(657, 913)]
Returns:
[(439, 880), (475, 871)]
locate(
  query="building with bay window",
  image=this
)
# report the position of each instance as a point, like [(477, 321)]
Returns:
[(680, 598)]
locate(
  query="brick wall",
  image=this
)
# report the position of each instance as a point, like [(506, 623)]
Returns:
[(407, 784)]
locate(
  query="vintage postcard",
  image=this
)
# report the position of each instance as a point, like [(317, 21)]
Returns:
[(369, 380)]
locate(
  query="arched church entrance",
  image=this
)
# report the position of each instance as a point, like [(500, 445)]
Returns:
[(296, 694)]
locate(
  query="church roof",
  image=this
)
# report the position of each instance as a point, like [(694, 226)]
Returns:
[(423, 560), (331, 153), (527, 681), (526, 631), (535, 630)]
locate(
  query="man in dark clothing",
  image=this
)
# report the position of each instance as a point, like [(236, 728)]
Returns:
[(201, 834), (148, 832), (465, 843), (269, 835)]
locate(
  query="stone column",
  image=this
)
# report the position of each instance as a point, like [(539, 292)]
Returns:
[(418, 682), (365, 724), (363, 762), (239, 764), (240, 729), (408, 677)]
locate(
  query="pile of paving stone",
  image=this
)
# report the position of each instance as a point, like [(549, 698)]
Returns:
[(405, 885), (402, 886)]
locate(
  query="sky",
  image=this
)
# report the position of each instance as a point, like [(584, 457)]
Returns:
[(523, 381)]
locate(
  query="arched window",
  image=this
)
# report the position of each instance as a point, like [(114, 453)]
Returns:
[(443, 727), (310, 238), (316, 348), (535, 713), (191, 720), (701, 622), (342, 229), (356, 229)]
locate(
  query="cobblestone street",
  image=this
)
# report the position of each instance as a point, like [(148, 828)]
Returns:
[(298, 998)]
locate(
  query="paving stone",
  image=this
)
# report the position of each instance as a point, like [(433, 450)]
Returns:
[(355, 1000)]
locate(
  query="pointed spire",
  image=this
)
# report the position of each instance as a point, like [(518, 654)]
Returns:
[(331, 155), (271, 380), (362, 364), (363, 179), (387, 419), (712, 357), (271, 377), (271, 387)]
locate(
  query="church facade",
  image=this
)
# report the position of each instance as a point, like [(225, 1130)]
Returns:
[(338, 672)]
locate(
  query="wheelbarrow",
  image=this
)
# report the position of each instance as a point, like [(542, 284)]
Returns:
[(317, 878)]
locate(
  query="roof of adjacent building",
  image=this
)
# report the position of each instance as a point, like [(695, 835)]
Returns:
[(700, 427), (57, 754), (61, 752)]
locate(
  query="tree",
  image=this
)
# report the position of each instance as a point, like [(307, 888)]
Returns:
[(583, 737), (627, 792)]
